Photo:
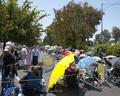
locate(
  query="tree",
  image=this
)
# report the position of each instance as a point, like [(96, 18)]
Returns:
[(116, 33), (98, 38), (74, 24), (103, 37), (19, 24), (106, 35), (48, 39)]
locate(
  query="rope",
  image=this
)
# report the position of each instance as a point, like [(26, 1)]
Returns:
[(22, 80), (35, 79)]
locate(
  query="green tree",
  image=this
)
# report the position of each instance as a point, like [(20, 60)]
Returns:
[(74, 24), (98, 38), (20, 24), (48, 39), (116, 33), (103, 37), (106, 35)]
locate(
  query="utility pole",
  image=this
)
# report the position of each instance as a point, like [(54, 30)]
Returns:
[(102, 18), (102, 9)]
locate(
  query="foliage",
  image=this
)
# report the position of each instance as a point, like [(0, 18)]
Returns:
[(98, 38), (116, 33), (74, 24), (106, 35), (109, 49), (19, 24), (103, 37), (48, 39)]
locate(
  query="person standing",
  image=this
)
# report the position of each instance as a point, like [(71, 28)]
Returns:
[(35, 55), (23, 55), (9, 69), (27, 61), (8, 63)]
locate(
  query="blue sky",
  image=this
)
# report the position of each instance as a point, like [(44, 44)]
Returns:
[(110, 19)]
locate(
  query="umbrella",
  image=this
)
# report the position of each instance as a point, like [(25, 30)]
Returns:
[(110, 57), (59, 70), (117, 64), (97, 58), (114, 60), (67, 53), (86, 62)]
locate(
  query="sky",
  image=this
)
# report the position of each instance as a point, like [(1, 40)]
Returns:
[(110, 19)]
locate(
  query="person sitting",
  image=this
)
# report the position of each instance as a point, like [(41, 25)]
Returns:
[(31, 83), (71, 75)]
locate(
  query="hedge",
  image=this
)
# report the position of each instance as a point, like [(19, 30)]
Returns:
[(109, 49)]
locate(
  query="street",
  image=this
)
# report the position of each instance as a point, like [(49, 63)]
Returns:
[(106, 91)]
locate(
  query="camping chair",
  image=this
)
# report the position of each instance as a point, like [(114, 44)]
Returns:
[(8, 87)]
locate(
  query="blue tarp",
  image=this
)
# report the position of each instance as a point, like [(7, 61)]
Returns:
[(86, 62)]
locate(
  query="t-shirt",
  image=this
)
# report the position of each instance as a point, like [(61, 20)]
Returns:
[(8, 61), (35, 52)]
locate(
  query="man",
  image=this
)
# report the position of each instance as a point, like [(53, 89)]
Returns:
[(35, 54), (8, 63), (31, 83), (8, 69)]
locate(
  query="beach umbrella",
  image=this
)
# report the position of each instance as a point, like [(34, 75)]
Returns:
[(59, 70), (86, 62)]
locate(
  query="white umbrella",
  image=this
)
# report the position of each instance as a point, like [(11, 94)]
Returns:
[(110, 57), (97, 58)]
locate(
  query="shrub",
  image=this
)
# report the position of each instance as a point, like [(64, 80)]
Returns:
[(109, 49)]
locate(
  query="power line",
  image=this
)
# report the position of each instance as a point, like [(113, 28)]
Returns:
[(102, 10), (109, 5)]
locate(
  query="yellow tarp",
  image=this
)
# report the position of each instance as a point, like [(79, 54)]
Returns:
[(59, 70)]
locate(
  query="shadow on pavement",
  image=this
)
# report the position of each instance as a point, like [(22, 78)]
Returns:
[(71, 92)]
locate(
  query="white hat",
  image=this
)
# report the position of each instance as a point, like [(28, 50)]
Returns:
[(6, 49), (24, 46)]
